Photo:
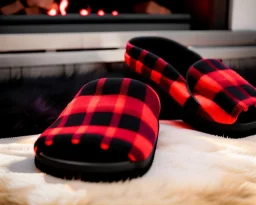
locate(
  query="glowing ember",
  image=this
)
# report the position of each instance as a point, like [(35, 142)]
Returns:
[(101, 12), (114, 13), (52, 12), (84, 12)]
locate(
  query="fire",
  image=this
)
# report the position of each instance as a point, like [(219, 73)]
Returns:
[(101, 12), (84, 12), (52, 12), (114, 13), (63, 7)]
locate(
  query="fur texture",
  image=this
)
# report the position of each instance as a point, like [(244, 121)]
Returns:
[(190, 168), (30, 105)]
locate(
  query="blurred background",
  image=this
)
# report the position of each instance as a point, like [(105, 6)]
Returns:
[(50, 48)]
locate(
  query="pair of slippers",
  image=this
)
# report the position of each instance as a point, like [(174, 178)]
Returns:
[(109, 131), (212, 97)]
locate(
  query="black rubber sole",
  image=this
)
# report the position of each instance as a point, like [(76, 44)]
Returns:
[(93, 172), (237, 130)]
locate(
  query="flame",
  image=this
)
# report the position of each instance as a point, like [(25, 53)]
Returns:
[(54, 9), (114, 13), (84, 12), (52, 12), (101, 12), (63, 7)]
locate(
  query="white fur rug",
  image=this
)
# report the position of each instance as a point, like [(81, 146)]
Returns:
[(190, 168)]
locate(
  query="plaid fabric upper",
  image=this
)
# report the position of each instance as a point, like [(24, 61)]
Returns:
[(212, 90), (109, 120)]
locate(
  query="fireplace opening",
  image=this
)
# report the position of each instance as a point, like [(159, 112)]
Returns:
[(114, 7), (180, 14)]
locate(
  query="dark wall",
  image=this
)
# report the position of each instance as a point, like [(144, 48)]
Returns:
[(176, 6), (208, 14)]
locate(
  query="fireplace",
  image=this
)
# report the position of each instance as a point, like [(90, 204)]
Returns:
[(112, 15), (114, 7), (92, 16)]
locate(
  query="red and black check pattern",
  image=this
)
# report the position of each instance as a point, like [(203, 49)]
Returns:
[(211, 89), (108, 120)]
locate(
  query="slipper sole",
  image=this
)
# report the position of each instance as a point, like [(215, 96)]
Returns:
[(93, 172)]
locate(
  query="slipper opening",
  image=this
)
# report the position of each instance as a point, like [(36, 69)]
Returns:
[(174, 53)]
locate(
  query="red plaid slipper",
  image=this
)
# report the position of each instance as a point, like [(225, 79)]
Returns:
[(214, 98), (107, 132)]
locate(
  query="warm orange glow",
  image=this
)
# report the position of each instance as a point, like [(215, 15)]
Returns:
[(84, 12), (114, 13), (52, 12), (101, 12), (63, 6)]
